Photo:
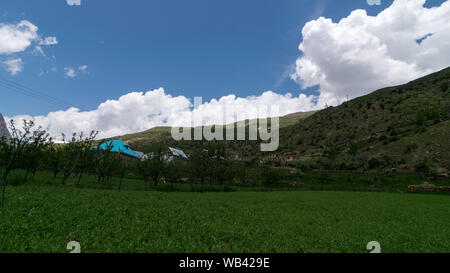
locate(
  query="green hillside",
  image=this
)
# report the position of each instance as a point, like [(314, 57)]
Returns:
[(402, 127), (149, 140)]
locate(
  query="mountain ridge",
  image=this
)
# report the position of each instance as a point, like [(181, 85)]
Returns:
[(378, 130)]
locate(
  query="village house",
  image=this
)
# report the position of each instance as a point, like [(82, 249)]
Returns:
[(118, 146), (141, 155), (173, 153)]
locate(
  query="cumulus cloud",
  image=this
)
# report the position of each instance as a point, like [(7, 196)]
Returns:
[(16, 38), (352, 57), (14, 66), (139, 111), (362, 53), (70, 72), (73, 2)]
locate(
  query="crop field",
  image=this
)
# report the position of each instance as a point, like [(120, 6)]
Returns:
[(46, 218)]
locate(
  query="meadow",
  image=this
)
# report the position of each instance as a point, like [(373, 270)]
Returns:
[(45, 218)]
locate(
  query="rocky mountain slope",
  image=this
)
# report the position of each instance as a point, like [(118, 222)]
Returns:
[(3, 128)]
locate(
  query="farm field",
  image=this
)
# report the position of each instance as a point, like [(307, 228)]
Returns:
[(46, 218)]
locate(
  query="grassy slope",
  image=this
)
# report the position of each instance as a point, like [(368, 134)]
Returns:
[(386, 119), (159, 133), (161, 137), (382, 124), (127, 221), (434, 142)]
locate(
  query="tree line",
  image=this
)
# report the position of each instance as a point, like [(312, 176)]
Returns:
[(32, 149)]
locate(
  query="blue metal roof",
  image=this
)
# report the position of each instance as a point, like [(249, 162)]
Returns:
[(118, 146)]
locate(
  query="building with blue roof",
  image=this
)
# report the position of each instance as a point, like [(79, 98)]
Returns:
[(117, 146)]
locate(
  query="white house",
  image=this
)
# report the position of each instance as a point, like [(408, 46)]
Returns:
[(173, 153)]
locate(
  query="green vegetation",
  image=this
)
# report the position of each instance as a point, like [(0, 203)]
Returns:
[(45, 219), (392, 129), (229, 197)]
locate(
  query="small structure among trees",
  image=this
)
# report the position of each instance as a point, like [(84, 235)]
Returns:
[(173, 153), (141, 155), (118, 146)]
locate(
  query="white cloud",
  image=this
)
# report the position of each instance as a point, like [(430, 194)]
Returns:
[(16, 38), (70, 72), (38, 50), (83, 68), (352, 57), (46, 42), (139, 111), (14, 66), (49, 41), (73, 72), (73, 2), (362, 53)]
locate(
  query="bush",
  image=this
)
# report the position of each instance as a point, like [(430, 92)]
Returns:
[(444, 87), (411, 147), (350, 166), (427, 167), (303, 166), (271, 178), (373, 163), (428, 114)]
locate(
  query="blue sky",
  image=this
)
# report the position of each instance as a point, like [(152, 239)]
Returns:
[(191, 48), (128, 66)]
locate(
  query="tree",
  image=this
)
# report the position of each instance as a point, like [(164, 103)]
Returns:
[(104, 161), (13, 153), (53, 158), (331, 152), (74, 151), (121, 170), (34, 151), (174, 171), (270, 177), (353, 149), (241, 172), (152, 168), (323, 178), (198, 164), (86, 160), (427, 166)]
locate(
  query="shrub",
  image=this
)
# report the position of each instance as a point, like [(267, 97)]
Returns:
[(373, 163), (271, 177), (427, 167), (428, 114), (411, 147), (444, 87)]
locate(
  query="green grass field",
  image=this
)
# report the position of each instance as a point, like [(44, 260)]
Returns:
[(46, 218)]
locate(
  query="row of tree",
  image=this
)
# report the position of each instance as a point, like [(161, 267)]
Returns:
[(32, 149)]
